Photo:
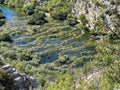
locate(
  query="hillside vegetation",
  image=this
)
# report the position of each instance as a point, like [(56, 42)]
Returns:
[(64, 42)]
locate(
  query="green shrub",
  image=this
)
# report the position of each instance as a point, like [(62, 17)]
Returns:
[(1, 62), (2, 19), (10, 54), (83, 19), (5, 80), (5, 37), (24, 56), (116, 1), (37, 19), (28, 9), (2, 22), (99, 27), (59, 14), (65, 82), (59, 9), (42, 82), (2, 1), (71, 21), (17, 4), (2, 16)]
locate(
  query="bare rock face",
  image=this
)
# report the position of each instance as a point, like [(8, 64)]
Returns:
[(21, 81), (93, 11), (118, 9)]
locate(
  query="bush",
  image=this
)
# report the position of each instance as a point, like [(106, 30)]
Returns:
[(99, 27), (2, 16), (71, 21), (83, 19), (29, 10), (116, 1), (37, 19), (24, 56), (59, 14), (10, 54), (1, 62), (42, 82), (59, 9), (5, 80), (5, 37), (2, 1), (2, 22)]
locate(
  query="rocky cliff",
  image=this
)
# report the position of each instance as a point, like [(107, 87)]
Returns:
[(107, 10), (21, 81)]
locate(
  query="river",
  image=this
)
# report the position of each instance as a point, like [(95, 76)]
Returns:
[(8, 12)]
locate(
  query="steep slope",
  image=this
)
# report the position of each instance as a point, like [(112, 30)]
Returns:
[(57, 51), (105, 11)]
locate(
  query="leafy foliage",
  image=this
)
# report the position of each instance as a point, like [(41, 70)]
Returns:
[(2, 1), (37, 19), (64, 83), (2, 19), (83, 19), (5, 80), (5, 37), (59, 9)]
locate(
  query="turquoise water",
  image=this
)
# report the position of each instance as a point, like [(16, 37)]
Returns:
[(9, 13)]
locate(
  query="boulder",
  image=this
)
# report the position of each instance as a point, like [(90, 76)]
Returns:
[(21, 81)]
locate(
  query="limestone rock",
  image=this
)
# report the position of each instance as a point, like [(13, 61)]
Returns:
[(93, 11), (21, 81)]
